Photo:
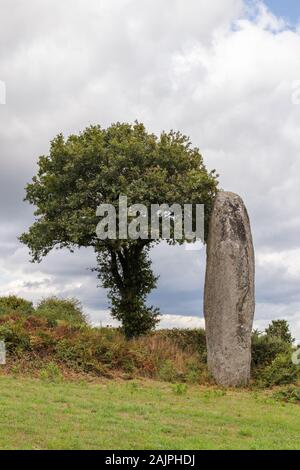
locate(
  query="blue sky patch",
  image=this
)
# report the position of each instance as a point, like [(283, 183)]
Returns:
[(288, 9)]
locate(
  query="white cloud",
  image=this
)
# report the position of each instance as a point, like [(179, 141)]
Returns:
[(179, 321), (288, 260)]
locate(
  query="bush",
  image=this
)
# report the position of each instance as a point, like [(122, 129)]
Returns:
[(193, 341), (17, 340), (96, 351), (55, 309), (167, 372), (266, 348), (161, 356), (79, 353), (280, 329), (59, 334), (272, 355), (281, 371), (13, 304)]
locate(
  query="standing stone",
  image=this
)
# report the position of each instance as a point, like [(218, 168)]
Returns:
[(229, 291)]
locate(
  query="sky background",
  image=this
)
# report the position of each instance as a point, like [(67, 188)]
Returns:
[(288, 9), (221, 72)]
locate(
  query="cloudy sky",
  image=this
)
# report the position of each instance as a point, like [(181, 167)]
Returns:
[(222, 72)]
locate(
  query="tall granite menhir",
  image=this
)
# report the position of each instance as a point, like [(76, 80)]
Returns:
[(229, 291)]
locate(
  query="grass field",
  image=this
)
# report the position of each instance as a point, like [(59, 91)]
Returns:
[(36, 414)]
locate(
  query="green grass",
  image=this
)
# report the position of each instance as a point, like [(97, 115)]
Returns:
[(37, 414)]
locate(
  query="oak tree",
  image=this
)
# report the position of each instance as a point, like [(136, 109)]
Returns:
[(97, 167)]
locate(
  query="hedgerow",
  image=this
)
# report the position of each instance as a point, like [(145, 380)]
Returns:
[(57, 331)]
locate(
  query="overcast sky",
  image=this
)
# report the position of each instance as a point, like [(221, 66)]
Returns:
[(220, 71)]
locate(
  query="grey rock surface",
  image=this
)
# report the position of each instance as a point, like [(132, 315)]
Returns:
[(229, 299)]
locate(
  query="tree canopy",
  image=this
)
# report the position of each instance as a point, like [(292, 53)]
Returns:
[(280, 329), (97, 167)]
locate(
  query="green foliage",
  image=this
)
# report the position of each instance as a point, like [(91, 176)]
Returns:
[(13, 304), (51, 373), (96, 167), (54, 309), (128, 293), (96, 351), (214, 393), (167, 372), (280, 329), (281, 371), (15, 336), (266, 348), (188, 340), (289, 394), (168, 355), (180, 389), (86, 352), (276, 340), (196, 371), (272, 355)]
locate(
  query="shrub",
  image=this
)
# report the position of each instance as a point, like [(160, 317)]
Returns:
[(193, 341), (196, 372), (265, 349), (167, 372), (61, 335), (271, 355), (16, 338), (159, 356), (281, 371), (280, 329), (91, 351), (55, 309), (13, 304)]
